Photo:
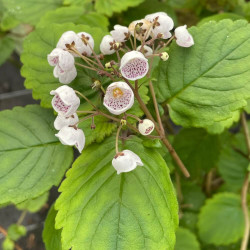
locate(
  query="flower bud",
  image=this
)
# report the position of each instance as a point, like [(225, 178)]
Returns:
[(62, 121), (134, 65), (141, 28), (65, 102), (88, 42), (65, 76), (118, 98), (183, 37), (126, 161), (146, 127), (146, 50), (107, 45), (120, 33), (72, 136), (164, 56)]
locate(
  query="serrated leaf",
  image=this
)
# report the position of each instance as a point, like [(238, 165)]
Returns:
[(186, 240), (15, 231), (32, 160), (35, 204), (27, 11), (108, 7), (208, 83), (7, 46), (39, 74), (51, 236), (221, 220), (194, 148), (99, 209)]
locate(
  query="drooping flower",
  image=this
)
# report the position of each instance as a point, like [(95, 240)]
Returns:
[(65, 101), (120, 33), (70, 39), (65, 76), (146, 50), (62, 121), (183, 37), (107, 45), (141, 28), (88, 42), (146, 127), (118, 98), (162, 24), (126, 161), (72, 136), (134, 65)]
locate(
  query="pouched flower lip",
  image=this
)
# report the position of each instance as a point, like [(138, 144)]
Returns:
[(118, 98), (88, 42), (65, 101), (65, 77), (145, 27), (146, 127), (147, 51), (183, 37), (134, 65), (126, 161), (164, 24), (107, 45), (72, 136), (120, 33), (61, 58), (62, 121)]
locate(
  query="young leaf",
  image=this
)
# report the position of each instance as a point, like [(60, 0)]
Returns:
[(221, 220), (208, 83), (100, 209), (186, 240), (39, 74), (15, 231), (32, 159), (51, 236)]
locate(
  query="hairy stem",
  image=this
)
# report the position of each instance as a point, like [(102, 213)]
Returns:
[(117, 139), (86, 99)]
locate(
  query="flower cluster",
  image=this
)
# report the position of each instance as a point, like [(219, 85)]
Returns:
[(135, 47)]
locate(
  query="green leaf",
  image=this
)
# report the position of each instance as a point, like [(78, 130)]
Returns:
[(194, 148), (51, 236), (221, 220), (108, 7), (99, 209), (207, 84), (7, 46), (32, 160), (39, 74), (35, 204), (189, 220), (186, 240), (15, 231), (27, 11), (8, 244)]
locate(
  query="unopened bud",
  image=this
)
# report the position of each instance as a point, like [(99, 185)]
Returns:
[(164, 56), (96, 84), (108, 65), (123, 122), (146, 127), (117, 46)]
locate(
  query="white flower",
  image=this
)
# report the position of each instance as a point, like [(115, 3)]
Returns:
[(65, 102), (62, 121), (120, 33), (65, 76), (134, 65), (126, 161), (142, 26), (162, 24), (88, 42), (107, 45), (147, 51), (183, 37), (146, 127), (72, 136), (70, 38), (61, 58), (118, 98)]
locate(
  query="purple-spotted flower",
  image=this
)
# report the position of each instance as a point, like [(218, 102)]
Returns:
[(118, 98), (146, 127), (140, 28), (65, 101), (120, 33), (134, 65), (62, 121), (107, 45), (183, 37), (126, 161)]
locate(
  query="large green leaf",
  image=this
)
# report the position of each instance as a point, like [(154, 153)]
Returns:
[(99, 209), (32, 160), (185, 240), (26, 11), (221, 221), (207, 84), (198, 150), (51, 236), (38, 72), (7, 46)]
